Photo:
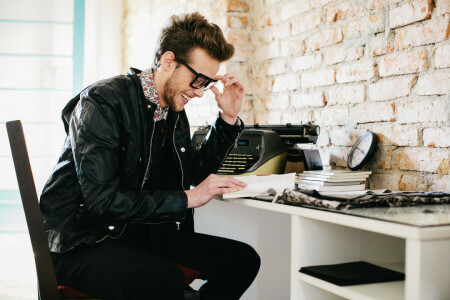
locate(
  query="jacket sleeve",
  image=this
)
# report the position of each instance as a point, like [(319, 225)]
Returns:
[(219, 141), (94, 132)]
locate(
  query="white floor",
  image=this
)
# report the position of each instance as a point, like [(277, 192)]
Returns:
[(17, 269)]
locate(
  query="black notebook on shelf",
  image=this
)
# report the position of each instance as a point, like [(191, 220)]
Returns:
[(353, 273)]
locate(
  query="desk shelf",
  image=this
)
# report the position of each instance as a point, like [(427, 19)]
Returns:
[(386, 290), (320, 237)]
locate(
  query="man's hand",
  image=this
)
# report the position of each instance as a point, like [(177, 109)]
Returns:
[(211, 186), (230, 101)]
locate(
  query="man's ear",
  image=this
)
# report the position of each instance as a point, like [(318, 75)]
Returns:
[(168, 62)]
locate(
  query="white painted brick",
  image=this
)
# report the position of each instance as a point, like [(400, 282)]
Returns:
[(281, 30), (337, 54), (324, 138), (293, 47), (397, 135), (364, 26), (391, 88), (317, 78), (343, 11), (381, 44), (425, 111), (326, 37), (306, 22), (342, 136), (301, 100), (260, 104), (409, 13), (274, 117), (358, 71), (286, 83), (270, 50), (403, 63), (374, 112), (332, 116), (276, 66), (433, 84), (335, 156), (437, 183), (293, 8), (436, 137), (343, 94), (442, 7), (428, 33), (423, 159), (306, 62), (442, 56), (280, 101), (320, 3)]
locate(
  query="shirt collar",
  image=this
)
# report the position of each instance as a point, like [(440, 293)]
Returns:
[(151, 94)]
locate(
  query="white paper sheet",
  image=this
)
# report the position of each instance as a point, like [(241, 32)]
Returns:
[(263, 185)]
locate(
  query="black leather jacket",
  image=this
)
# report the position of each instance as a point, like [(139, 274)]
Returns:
[(96, 188)]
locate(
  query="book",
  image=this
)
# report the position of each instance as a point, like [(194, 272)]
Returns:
[(352, 273), (263, 185), (331, 179), (332, 188), (337, 173), (316, 182)]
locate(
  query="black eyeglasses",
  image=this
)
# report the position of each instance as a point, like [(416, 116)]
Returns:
[(200, 79)]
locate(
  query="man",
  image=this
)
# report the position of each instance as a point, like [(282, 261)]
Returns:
[(117, 208)]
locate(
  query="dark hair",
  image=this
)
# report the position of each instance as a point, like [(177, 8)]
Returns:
[(186, 32)]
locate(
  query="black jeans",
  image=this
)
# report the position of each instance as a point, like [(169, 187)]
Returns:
[(141, 265)]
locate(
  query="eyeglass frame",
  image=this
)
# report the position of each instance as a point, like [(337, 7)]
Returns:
[(197, 75)]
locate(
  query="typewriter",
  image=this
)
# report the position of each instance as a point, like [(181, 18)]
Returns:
[(261, 149)]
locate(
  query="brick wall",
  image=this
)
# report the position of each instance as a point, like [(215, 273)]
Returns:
[(351, 66)]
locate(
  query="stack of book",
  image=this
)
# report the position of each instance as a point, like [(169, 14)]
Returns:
[(333, 180)]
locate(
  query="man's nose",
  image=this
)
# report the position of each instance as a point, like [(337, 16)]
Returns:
[(199, 92)]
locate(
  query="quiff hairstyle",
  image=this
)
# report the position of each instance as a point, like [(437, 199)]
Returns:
[(189, 31)]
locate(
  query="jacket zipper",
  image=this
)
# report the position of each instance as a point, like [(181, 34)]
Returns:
[(181, 165), (142, 185), (110, 236), (149, 156)]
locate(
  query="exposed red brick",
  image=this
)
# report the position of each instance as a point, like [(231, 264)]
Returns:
[(237, 6), (343, 11)]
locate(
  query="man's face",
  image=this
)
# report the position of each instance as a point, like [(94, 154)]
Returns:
[(177, 90)]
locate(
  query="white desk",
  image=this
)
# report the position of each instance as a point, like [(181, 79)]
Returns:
[(320, 237)]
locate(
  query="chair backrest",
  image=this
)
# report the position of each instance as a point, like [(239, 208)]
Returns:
[(48, 288)]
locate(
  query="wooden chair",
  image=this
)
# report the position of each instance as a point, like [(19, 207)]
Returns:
[(48, 287)]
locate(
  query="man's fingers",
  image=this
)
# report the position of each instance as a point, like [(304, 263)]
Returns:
[(232, 81), (238, 182), (228, 190), (227, 182)]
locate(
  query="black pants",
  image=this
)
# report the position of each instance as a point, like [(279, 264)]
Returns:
[(141, 265)]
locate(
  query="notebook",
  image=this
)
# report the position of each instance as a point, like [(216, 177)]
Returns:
[(353, 273)]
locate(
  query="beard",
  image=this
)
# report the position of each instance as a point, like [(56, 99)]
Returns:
[(170, 93)]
